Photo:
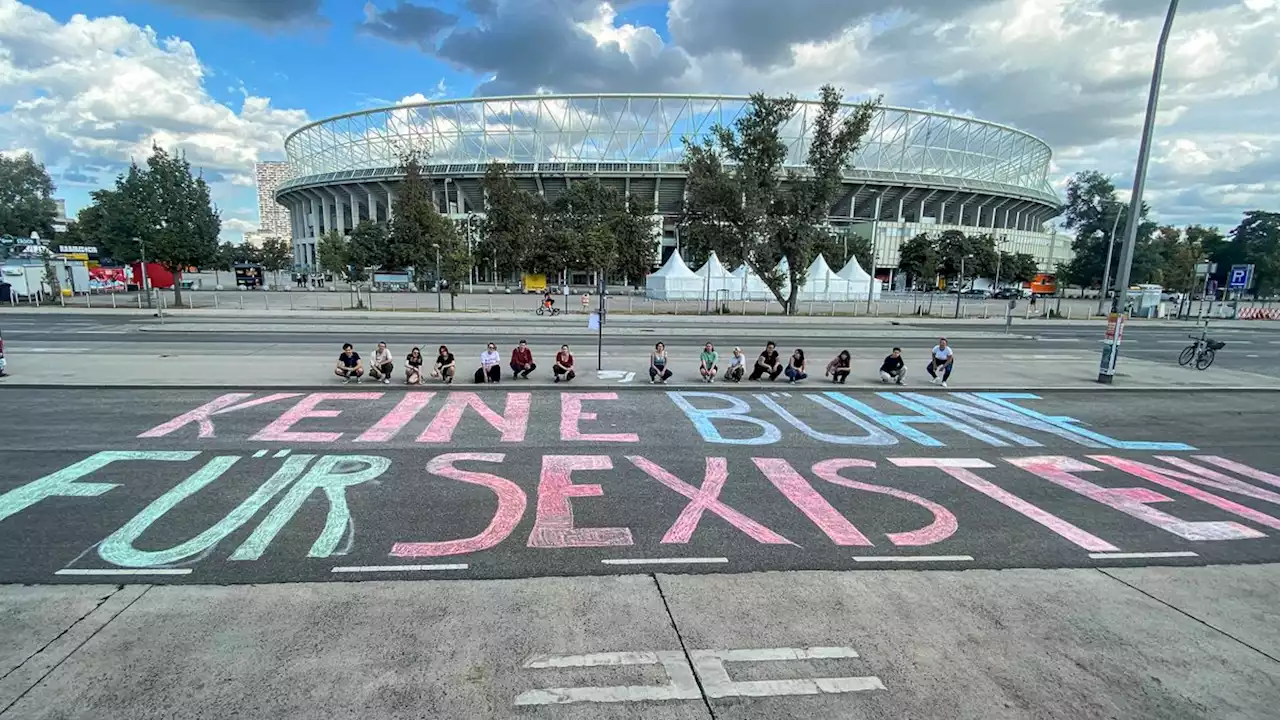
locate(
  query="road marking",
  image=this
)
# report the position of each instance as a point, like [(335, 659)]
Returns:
[(912, 558), (709, 664), (260, 453), (21, 350), (663, 561), (1044, 357), (124, 571), (1252, 356), (683, 685), (1140, 555), (1042, 338), (621, 376), (281, 453), (397, 568)]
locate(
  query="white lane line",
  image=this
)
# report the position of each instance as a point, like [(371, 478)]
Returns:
[(1041, 338), (397, 568), (281, 453), (124, 571), (1140, 555), (1252, 356), (1044, 357), (664, 561), (260, 453), (20, 350), (912, 558)]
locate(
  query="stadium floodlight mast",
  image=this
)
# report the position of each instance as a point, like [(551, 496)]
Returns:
[(1106, 370)]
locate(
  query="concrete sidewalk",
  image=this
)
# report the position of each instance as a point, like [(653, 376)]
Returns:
[(1167, 642), (193, 366)]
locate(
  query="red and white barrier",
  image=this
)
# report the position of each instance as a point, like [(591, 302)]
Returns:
[(1258, 313)]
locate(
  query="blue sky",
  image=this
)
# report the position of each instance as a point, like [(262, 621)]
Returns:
[(225, 80)]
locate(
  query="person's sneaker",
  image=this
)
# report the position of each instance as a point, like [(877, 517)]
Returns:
[(357, 381), (346, 381), (557, 378), (386, 381), (883, 381), (901, 383), (944, 383), (934, 381), (651, 381)]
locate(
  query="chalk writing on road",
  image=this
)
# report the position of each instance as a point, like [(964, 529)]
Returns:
[(709, 666), (832, 495), (882, 419)]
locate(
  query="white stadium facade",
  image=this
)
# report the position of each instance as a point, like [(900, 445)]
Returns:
[(917, 171)]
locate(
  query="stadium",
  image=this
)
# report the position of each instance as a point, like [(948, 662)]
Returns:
[(917, 171)]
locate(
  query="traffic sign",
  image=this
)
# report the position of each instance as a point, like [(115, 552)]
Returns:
[(1241, 277)]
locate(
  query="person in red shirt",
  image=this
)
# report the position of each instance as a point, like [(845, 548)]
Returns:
[(564, 365), (522, 361)]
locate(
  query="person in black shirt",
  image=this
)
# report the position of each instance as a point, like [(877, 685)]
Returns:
[(413, 367), (349, 365), (893, 368), (767, 363), (444, 365)]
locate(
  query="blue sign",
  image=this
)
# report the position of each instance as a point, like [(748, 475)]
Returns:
[(1240, 277)]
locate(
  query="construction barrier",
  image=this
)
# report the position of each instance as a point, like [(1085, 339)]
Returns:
[(1257, 313)]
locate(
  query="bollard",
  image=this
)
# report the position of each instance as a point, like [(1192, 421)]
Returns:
[(290, 302), (139, 300), (810, 308), (88, 300), (1028, 317), (1068, 312), (266, 301), (242, 300), (215, 300), (113, 301), (984, 311), (631, 304), (490, 303)]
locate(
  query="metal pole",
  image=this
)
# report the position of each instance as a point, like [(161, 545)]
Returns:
[(1106, 370), (439, 296), (600, 322), (146, 285), (1106, 271), (959, 287), (871, 277)]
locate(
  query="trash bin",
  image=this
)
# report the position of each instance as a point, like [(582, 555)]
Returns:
[(6, 292)]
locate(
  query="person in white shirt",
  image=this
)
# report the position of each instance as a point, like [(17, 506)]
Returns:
[(382, 366), (490, 366), (941, 358), (737, 365)]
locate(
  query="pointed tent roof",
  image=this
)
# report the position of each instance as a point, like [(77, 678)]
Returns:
[(819, 268), (674, 268), (713, 268), (740, 271), (853, 271)]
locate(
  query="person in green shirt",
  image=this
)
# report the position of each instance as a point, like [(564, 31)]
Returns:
[(707, 366)]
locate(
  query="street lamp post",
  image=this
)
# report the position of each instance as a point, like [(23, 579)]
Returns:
[(439, 295), (146, 286), (1110, 351), (1106, 271), (960, 285)]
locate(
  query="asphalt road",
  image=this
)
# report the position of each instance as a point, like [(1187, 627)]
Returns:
[(1251, 349), (247, 503)]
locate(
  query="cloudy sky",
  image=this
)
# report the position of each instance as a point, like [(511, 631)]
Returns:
[(88, 84)]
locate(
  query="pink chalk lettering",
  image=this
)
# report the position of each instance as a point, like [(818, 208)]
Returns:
[(1215, 479), (512, 423), (1134, 502), (1173, 480), (1240, 469), (943, 525), (571, 414), (393, 422), (705, 498), (553, 527), (511, 505), (815, 507), (958, 468), (279, 431), (203, 415)]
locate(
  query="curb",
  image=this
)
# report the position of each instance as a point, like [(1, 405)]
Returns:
[(642, 386)]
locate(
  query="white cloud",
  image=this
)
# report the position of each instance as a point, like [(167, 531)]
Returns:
[(89, 95)]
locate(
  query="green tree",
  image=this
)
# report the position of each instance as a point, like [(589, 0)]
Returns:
[(978, 253), (165, 206), (26, 197), (418, 231), (514, 226), (1092, 212), (837, 247), (919, 259), (1258, 237), (637, 249), (1018, 267), (333, 257), (275, 255), (366, 250), (742, 200), (585, 215)]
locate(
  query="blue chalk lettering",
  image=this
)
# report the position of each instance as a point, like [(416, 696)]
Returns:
[(704, 420), (1067, 423), (874, 436), (118, 549), (332, 473), (63, 482)]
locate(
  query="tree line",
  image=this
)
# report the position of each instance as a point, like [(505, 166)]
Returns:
[(953, 254), (1163, 254)]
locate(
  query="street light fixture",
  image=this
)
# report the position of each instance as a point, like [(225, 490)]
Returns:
[(1110, 350)]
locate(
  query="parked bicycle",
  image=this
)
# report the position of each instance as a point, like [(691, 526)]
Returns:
[(1202, 351)]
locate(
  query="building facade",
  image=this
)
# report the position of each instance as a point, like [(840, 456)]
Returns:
[(273, 218), (917, 171)]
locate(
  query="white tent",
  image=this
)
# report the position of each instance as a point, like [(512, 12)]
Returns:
[(717, 281), (674, 281), (859, 281), (822, 284)]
